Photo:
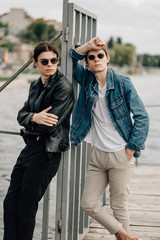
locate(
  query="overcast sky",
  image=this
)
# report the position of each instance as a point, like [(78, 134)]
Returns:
[(135, 21)]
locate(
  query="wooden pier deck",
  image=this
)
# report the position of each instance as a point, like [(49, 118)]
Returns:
[(144, 207)]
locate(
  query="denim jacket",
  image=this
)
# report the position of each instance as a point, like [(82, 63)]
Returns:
[(122, 101)]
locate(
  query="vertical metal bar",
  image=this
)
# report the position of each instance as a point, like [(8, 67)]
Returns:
[(77, 27), (64, 33), (88, 160), (84, 150), (73, 149), (62, 198), (62, 177), (58, 202), (45, 220), (72, 160), (78, 155), (74, 28), (84, 158), (65, 194), (94, 26), (83, 29), (72, 193), (77, 193), (89, 28)]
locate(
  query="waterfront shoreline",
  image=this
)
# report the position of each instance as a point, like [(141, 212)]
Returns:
[(24, 80)]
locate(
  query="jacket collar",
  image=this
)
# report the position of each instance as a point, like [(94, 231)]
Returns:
[(51, 80), (110, 81)]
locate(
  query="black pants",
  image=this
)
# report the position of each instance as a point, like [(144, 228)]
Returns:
[(31, 175)]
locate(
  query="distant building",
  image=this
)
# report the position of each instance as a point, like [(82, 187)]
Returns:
[(22, 53), (3, 55), (57, 25), (17, 19), (2, 33)]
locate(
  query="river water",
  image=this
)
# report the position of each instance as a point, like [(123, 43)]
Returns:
[(12, 99), (148, 87)]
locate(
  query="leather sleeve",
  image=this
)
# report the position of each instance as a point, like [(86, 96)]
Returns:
[(25, 114), (62, 105)]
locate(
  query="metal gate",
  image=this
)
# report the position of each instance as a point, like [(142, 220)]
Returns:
[(79, 25)]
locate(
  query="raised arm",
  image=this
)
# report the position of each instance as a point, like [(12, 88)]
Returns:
[(80, 73), (94, 44)]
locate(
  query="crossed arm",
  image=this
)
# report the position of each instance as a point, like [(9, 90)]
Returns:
[(45, 118), (51, 117)]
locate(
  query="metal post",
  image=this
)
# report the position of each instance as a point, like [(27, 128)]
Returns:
[(62, 176), (45, 221), (64, 36), (70, 178)]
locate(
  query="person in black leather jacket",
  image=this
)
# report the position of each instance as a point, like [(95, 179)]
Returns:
[(45, 117)]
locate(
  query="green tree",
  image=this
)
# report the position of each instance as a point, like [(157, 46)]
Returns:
[(3, 25), (39, 31), (7, 45), (148, 60), (119, 40), (158, 65), (123, 55), (110, 43), (35, 32)]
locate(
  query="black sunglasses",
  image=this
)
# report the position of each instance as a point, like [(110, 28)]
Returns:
[(46, 61), (92, 57)]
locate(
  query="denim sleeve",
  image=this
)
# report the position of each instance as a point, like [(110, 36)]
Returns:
[(140, 117), (79, 72)]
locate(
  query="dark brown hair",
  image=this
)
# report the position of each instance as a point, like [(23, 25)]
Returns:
[(44, 47)]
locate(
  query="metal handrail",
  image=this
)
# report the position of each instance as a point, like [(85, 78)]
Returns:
[(9, 132), (153, 105), (26, 65)]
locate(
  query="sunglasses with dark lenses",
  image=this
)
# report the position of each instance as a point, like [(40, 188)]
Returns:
[(92, 57), (46, 61)]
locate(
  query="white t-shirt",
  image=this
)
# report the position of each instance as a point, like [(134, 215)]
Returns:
[(103, 134)]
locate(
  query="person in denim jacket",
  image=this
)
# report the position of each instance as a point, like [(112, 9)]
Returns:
[(110, 115)]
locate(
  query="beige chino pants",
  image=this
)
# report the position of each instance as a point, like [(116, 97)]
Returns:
[(105, 168)]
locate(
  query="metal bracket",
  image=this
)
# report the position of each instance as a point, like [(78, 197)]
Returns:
[(60, 225), (66, 34)]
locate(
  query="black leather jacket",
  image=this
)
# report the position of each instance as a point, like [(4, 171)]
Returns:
[(58, 93)]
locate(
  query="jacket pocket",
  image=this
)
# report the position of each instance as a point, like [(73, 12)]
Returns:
[(119, 108), (59, 141)]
